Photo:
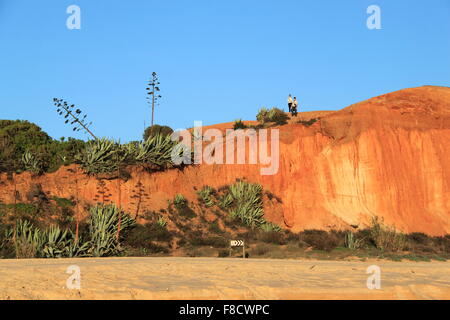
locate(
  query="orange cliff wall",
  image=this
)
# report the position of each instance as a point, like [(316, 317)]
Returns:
[(387, 157)]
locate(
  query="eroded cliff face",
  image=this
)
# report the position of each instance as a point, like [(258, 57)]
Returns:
[(386, 157)]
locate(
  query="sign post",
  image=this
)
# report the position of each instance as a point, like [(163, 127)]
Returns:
[(238, 243)]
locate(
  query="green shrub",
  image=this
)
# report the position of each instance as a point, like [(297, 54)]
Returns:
[(223, 253), (18, 137), (275, 115), (214, 228), (63, 202), (261, 249), (238, 124), (419, 238), (309, 122), (155, 130), (141, 236), (274, 237), (321, 240), (213, 241)]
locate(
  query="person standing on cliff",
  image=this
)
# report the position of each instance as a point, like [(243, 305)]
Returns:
[(290, 102), (294, 107)]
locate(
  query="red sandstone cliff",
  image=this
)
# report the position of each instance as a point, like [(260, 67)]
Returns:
[(387, 156)]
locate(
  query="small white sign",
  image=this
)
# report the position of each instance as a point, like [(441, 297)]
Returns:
[(237, 243)]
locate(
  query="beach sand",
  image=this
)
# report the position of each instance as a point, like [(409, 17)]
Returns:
[(221, 278)]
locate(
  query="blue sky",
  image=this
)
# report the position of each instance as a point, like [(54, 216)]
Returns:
[(217, 60)]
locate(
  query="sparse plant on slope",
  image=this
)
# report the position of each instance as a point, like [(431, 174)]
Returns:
[(309, 122), (351, 242), (161, 222), (205, 195), (270, 227), (386, 238), (182, 206), (103, 227), (179, 200), (238, 124)]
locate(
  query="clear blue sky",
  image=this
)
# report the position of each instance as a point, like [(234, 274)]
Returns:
[(217, 60)]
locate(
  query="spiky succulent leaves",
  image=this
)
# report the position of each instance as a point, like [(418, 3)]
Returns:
[(156, 150), (247, 203), (28, 240), (56, 242), (31, 163), (225, 201), (76, 248), (103, 230), (205, 194), (101, 156)]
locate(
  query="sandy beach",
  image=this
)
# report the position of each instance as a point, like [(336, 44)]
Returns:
[(216, 278)]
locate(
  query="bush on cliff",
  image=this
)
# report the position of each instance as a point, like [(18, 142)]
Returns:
[(275, 115), (19, 137), (155, 130)]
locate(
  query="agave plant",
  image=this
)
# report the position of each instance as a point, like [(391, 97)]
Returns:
[(156, 150), (179, 201), (31, 163), (225, 201), (161, 222), (248, 214), (28, 240), (76, 248), (248, 206), (205, 194), (101, 156), (56, 242), (103, 230)]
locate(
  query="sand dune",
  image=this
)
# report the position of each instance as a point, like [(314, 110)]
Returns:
[(215, 278)]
